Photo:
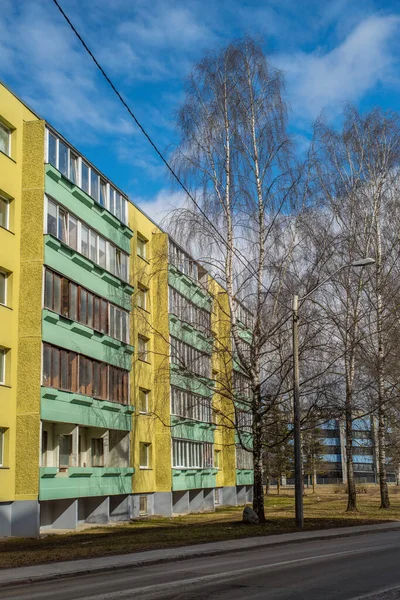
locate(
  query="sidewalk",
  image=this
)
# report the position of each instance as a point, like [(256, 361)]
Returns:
[(23, 575)]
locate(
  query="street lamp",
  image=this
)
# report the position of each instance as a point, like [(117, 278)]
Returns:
[(298, 470)]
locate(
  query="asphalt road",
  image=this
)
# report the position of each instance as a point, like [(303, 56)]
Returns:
[(366, 566)]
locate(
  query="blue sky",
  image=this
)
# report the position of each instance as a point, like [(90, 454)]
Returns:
[(331, 52)]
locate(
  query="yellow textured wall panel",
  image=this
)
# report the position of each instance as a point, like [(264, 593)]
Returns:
[(30, 307)]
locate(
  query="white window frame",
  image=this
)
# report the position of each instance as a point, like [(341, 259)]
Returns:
[(9, 132), (2, 436), (146, 341), (143, 290), (3, 353), (146, 392), (7, 203), (146, 445), (5, 287), (144, 242)]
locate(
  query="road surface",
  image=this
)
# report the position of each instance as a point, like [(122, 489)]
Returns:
[(365, 566)]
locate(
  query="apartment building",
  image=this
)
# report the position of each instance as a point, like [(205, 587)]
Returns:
[(365, 452), (112, 350)]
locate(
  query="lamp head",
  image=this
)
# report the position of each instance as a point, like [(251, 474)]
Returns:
[(364, 262)]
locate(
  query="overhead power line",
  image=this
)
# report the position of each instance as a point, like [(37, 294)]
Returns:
[(236, 252)]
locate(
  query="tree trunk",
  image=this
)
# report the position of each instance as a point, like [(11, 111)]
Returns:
[(385, 501), (314, 481), (351, 486), (258, 491), (278, 486)]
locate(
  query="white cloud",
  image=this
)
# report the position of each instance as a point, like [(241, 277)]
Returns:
[(326, 80), (162, 206)]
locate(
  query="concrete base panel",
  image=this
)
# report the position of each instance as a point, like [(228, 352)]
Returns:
[(120, 508), (180, 502), (19, 518), (94, 510), (241, 494), (195, 500), (208, 499), (249, 494), (229, 497), (163, 503), (59, 514)]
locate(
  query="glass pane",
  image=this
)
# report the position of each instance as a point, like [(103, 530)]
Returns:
[(73, 232), (94, 185), (83, 307), (90, 310), (96, 314), (52, 158), (46, 365), (85, 240), (73, 369), (62, 158), (74, 168), (4, 213), (103, 193), (51, 218), (64, 370), (57, 294), (112, 321), (118, 202), (102, 252), (55, 367), (112, 200), (96, 379), (112, 258), (93, 246), (73, 301), (63, 225), (124, 266), (65, 450), (48, 289), (85, 177), (3, 288), (117, 324), (104, 317)]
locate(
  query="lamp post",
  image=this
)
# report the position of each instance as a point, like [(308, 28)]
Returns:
[(298, 463)]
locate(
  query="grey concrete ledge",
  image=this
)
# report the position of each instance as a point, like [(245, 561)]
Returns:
[(49, 571)]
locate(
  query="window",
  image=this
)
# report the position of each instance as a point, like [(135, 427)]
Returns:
[(144, 455), (44, 447), (217, 497), (143, 400), (97, 447), (191, 455), (189, 358), (217, 459), (182, 261), (143, 505), (189, 312), (143, 348), (69, 229), (5, 140), (64, 451), (190, 406), (67, 161), (244, 459), (142, 297), (4, 213), (2, 436), (2, 366), (3, 288), (141, 247)]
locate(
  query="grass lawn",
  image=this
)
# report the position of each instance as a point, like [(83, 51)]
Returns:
[(325, 509)]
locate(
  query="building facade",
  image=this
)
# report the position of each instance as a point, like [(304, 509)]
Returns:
[(112, 350)]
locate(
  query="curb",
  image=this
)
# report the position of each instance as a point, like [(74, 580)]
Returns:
[(187, 556)]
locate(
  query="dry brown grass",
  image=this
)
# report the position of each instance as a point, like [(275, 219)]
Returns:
[(325, 509)]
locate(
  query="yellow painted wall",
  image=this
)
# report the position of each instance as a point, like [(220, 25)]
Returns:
[(153, 375), (30, 308), (222, 401), (14, 114)]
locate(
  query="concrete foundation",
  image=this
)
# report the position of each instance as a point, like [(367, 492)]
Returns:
[(228, 496), (180, 502), (135, 504), (208, 499), (94, 510), (195, 500), (241, 494), (163, 503), (120, 508), (59, 514), (19, 518)]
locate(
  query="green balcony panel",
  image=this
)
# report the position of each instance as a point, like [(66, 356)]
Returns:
[(83, 271), (189, 288), (83, 482), (197, 385), (191, 479), (192, 430), (246, 438), (67, 407), (244, 477), (68, 334), (190, 335), (85, 208)]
